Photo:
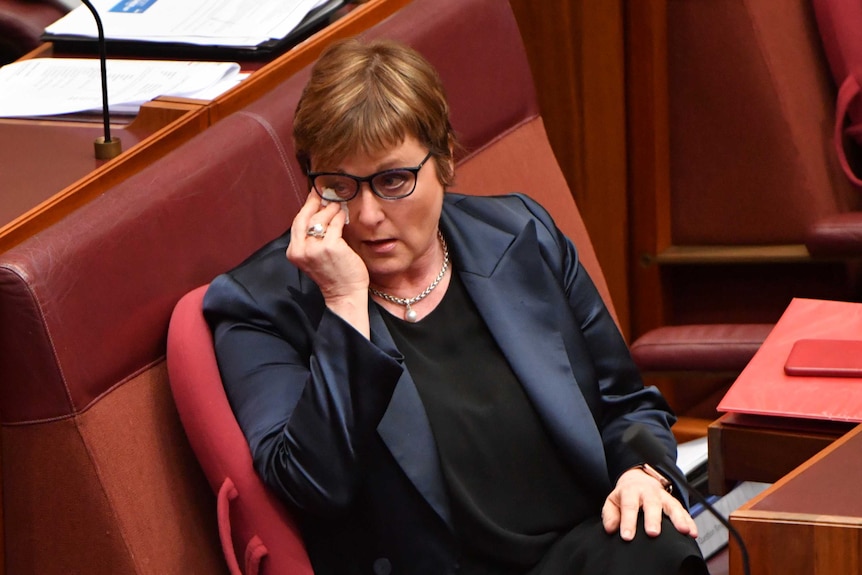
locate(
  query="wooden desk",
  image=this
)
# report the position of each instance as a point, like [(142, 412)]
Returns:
[(811, 520), (47, 168), (750, 448)]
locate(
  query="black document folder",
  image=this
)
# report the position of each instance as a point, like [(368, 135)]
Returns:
[(314, 21)]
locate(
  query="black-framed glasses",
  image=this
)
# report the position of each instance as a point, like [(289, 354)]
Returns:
[(392, 184)]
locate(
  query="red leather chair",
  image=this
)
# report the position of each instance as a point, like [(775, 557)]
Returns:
[(839, 22), (258, 526)]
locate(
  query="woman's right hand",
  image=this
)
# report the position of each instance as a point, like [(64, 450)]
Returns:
[(337, 270)]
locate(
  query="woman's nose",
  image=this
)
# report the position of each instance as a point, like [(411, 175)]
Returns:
[(366, 207)]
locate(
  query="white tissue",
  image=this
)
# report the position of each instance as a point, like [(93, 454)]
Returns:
[(327, 196)]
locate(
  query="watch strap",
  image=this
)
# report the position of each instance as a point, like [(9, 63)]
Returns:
[(655, 474)]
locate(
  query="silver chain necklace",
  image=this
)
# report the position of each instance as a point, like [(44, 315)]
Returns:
[(409, 313)]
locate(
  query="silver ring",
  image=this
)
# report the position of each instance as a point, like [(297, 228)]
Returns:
[(316, 231)]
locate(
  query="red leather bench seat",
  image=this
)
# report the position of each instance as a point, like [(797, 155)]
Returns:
[(97, 473)]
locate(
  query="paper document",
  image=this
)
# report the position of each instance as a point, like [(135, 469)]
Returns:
[(52, 86), (204, 22), (692, 454)]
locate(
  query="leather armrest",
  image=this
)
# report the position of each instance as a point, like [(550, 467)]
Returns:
[(839, 235), (702, 347)]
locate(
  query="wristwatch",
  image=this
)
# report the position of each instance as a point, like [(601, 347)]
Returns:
[(652, 472)]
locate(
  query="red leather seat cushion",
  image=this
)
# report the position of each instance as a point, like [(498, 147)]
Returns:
[(716, 347)]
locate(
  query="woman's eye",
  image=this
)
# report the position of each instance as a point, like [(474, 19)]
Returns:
[(393, 181)]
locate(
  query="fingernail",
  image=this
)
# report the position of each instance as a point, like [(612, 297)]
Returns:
[(627, 535)]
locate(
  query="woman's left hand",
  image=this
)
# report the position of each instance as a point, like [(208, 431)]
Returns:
[(635, 490)]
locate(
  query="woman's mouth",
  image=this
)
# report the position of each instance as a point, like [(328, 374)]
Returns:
[(380, 246)]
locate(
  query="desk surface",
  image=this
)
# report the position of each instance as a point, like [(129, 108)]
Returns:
[(48, 169)]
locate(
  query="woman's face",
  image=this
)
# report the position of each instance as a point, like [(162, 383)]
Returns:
[(397, 239)]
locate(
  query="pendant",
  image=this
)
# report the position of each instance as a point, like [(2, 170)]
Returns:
[(410, 314)]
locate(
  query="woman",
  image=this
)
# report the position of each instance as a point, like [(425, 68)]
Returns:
[(431, 380)]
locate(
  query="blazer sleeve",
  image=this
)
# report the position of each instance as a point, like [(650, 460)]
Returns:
[(623, 398), (307, 389)]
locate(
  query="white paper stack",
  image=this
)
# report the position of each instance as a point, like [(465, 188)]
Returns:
[(54, 86), (238, 23)]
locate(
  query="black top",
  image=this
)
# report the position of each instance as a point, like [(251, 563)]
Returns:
[(511, 495)]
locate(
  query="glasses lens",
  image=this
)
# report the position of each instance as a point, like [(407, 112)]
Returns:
[(394, 183), (334, 187)]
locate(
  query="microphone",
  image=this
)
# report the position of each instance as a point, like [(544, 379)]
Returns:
[(106, 147), (639, 438)]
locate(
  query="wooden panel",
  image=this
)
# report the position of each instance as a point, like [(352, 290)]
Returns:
[(576, 53), (689, 428), (648, 160), (675, 255), (741, 450), (810, 521), (796, 544)]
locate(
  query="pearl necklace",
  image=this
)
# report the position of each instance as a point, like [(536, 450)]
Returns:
[(409, 313)]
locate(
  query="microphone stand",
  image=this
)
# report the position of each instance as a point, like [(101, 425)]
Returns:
[(106, 147)]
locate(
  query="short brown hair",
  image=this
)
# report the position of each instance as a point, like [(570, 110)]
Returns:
[(367, 97)]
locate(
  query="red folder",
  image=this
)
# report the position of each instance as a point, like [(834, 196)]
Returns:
[(763, 387)]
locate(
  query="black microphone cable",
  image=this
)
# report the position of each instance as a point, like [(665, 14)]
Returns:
[(106, 148)]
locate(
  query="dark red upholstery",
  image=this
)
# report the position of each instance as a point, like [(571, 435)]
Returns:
[(22, 23), (98, 476), (251, 520), (705, 347), (839, 22), (751, 115), (836, 236)]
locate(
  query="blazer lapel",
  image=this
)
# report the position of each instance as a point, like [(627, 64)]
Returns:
[(404, 428), (407, 433), (504, 275)]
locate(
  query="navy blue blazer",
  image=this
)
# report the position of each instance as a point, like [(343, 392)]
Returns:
[(336, 426)]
